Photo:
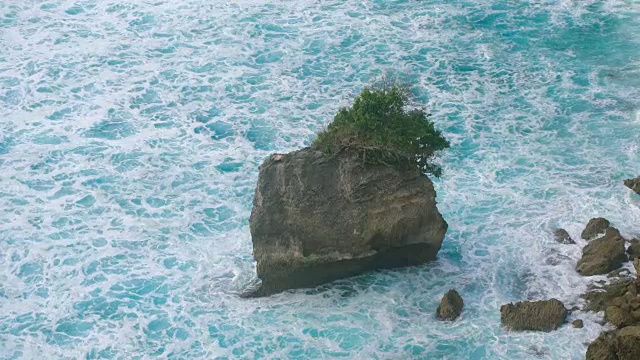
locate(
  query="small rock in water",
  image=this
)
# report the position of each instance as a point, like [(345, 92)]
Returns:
[(546, 315), (595, 227), (633, 184), (578, 324), (563, 237), (450, 307)]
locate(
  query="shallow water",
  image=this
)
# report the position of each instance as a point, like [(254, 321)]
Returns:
[(131, 132)]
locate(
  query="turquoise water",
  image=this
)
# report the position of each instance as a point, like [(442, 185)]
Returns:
[(131, 132)]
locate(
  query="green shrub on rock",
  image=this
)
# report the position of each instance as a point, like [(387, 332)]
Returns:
[(382, 128)]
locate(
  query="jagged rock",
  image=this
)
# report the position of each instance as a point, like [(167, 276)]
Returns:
[(600, 298), (594, 227), (602, 348), (563, 237), (634, 249), (546, 315), (602, 255), (450, 307), (317, 218), (633, 184), (578, 324)]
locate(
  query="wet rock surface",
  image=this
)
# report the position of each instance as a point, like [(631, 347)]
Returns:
[(603, 255), (545, 315), (450, 307)]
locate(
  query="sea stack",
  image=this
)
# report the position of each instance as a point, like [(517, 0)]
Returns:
[(318, 217)]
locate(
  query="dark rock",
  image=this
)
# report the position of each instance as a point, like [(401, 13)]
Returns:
[(450, 307), (633, 184), (563, 237), (317, 218), (578, 324), (544, 315), (602, 348), (634, 249), (602, 255), (594, 227)]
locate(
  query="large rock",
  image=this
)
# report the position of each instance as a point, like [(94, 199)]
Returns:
[(627, 343), (598, 299), (544, 315), (633, 184), (623, 344), (602, 348), (317, 218), (594, 227), (602, 255), (450, 307)]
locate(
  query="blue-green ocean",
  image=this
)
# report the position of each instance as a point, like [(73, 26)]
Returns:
[(130, 137)]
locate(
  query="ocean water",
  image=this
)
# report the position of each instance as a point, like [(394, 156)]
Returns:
[(131, 132)]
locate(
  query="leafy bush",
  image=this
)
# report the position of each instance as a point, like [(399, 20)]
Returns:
[(382, 129)]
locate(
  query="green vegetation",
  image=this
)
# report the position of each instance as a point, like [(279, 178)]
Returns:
[(382, 129)]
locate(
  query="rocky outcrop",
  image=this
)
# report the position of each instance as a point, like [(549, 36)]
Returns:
[(595, 227), (599, 298), (317, 218), (450, 307), (544, 315), (602, 255), (618, 345), (633, 184), (562, 236)]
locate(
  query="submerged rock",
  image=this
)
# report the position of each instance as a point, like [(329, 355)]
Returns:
[(602, 255), (563, 237), (546, 315), (633, 184), (450, 307), (317, 218), (594, 227)]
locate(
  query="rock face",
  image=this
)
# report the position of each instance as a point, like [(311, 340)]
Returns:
[(594, 227), (602, 255), (317, 218), (450, 307), (633, 184), (563, 237), (544, 315)]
